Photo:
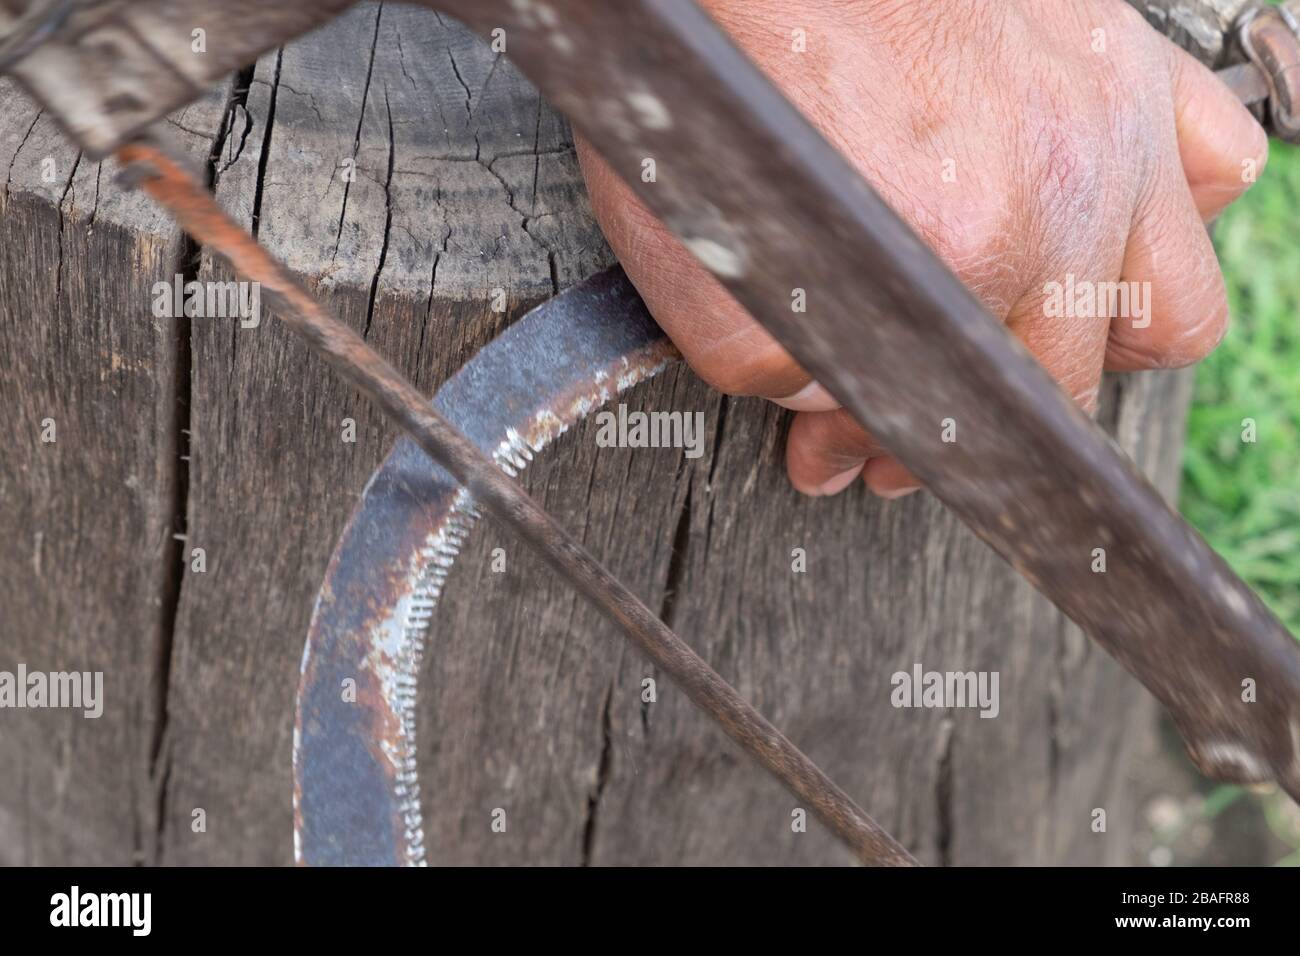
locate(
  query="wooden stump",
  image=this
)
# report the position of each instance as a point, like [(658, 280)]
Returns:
[(414, 180)]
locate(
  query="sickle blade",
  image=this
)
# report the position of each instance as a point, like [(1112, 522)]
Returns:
[(356, 792)]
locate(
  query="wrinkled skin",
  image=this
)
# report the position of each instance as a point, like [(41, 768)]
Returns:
[(1026, 141)]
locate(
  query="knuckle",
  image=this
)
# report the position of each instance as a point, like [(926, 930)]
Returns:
[(979, 240), (968, 239)]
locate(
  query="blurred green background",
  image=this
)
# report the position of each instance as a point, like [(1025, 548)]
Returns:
[(1243, 496)]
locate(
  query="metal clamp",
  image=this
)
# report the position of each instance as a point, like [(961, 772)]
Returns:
[(20, 33), (1269, 37)]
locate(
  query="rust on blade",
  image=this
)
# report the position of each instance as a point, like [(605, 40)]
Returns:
[(356, 793)]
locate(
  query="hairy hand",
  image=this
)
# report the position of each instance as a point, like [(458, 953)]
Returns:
[(1045, 149)]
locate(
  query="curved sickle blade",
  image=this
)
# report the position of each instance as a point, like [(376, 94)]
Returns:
[(356, 795)]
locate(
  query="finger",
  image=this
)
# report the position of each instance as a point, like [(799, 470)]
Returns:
[(889, 478), (1065, 323), (1223, 148), (825, 452), (716, 336), (1177, 308)]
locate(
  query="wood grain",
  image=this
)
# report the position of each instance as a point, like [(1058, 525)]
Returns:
[(87, 573)]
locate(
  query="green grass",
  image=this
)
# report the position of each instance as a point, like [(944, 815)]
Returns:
[(1245, 498)]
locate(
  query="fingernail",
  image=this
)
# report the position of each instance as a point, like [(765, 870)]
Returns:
[(838, 483), (811, 398), (893, 494), (889, 479)]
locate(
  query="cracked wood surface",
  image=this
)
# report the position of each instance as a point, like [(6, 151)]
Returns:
[(87, 569), (465, 184)]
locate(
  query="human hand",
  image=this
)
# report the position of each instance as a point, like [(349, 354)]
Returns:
[(1045, 149)]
